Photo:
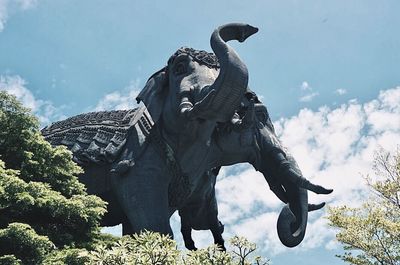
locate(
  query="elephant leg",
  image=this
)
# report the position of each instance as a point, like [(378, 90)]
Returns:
[(186, 231), (127, 227), (114, 215), (143, 194), (146, 213), (217, 229)]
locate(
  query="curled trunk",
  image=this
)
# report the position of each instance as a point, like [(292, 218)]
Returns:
[(292, 220), (232, 80)]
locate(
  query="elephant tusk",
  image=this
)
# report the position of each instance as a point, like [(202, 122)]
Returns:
[(314, 207), (316, 188), (195, 111), (302, 182)]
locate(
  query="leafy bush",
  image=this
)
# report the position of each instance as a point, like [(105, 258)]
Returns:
[(43, 206), (153, 248)]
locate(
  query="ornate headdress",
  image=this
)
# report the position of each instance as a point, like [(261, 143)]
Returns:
[(199, 56)]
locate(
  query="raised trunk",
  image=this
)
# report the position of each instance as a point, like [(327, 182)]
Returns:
[(233, 77), (292, 221)]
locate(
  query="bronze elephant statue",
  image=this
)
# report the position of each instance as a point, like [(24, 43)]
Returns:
[(150, 161)]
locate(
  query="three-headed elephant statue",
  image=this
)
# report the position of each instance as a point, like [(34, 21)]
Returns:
[(150, 161)]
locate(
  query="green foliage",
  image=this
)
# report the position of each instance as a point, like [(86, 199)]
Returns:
[(153, 248), (9, 260), (208, 256), (371, 233), (144, 248), (68, 256), (44, 209), (64, 220), (22, 241), (22, 147)]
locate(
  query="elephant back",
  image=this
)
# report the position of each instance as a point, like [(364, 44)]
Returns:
[(95, 137)]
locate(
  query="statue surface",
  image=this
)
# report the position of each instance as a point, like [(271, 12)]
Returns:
[(199, 115)]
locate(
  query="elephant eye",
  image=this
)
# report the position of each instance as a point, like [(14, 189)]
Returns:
[(180, 68)]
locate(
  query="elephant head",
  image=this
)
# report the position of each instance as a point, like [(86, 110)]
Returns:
[(188, 97), (197, 84), (252, 130)]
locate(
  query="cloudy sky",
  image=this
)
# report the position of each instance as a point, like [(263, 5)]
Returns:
[(329, 73)]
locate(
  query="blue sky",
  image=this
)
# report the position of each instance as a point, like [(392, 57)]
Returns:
[(329, 72)]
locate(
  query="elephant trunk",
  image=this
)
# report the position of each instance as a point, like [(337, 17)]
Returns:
[(281, 174), (292, 220), (232, 80)]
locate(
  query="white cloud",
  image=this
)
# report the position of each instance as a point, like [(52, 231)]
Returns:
[(9, 7), (308, 93), (340, 91), (44, 110), (305, 86), (26, 4), (16, 85), (3, 14), (113, 230), (308, 97), (47, 112), (120, 100), (334, 148)]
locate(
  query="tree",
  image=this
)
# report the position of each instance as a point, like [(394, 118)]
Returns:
[(371, 233), (43, 206)]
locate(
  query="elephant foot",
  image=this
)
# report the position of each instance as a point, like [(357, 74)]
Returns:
[(221, 246), (191, 246)]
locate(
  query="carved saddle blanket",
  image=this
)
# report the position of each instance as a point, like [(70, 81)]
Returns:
[(101, 137), (98, 137)]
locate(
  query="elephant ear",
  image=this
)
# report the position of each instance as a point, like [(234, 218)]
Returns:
[(153, 94)]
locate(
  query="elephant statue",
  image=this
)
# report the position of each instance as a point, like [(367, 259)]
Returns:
[(250, 137), (150, 161), (147, 162)]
